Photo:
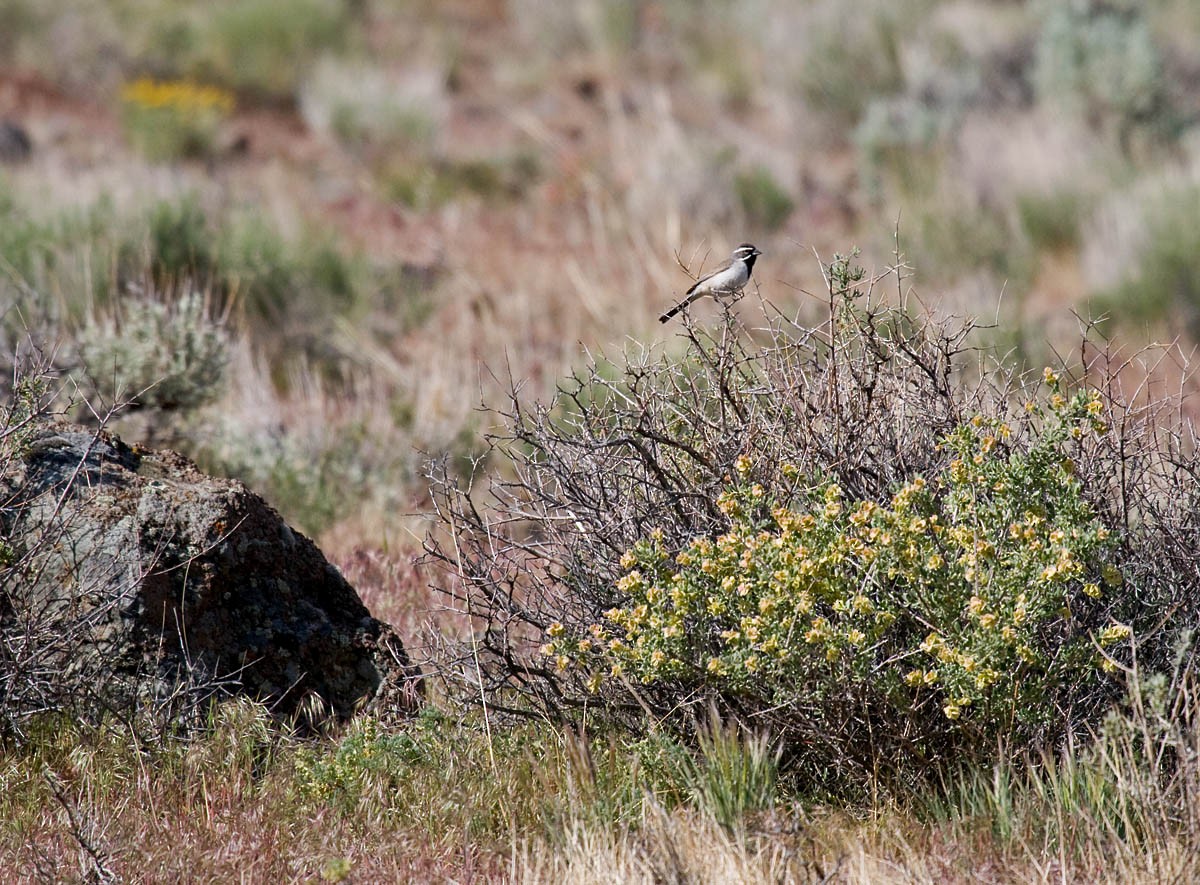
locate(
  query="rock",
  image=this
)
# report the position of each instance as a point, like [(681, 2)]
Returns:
[(143, 580), (15, 145)]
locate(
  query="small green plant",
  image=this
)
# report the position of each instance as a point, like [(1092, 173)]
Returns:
[(367, 752), (978, 590), (763, 199), (336, 869), (435, 183), (173, 120), (1166, 279)]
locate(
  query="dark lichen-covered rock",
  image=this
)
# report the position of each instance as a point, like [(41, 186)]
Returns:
[(139, 575)]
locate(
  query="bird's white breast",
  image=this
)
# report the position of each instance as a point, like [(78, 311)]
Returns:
[(729, 279)]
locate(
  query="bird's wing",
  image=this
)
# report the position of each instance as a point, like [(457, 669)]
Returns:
[(708, 276)]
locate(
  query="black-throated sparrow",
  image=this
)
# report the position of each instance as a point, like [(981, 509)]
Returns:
[(728, 279)]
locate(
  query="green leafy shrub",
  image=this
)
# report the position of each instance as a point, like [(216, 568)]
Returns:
[(977, 591), (851, 58), (1103, 62), (365, 753), (764, 201)]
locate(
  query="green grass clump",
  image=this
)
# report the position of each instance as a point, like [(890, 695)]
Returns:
[(262, 48), (1165, 282), (437, 182), (1052, 221), (180, 243), (314, 480), (763, 199), (437, 772), (733, 773)]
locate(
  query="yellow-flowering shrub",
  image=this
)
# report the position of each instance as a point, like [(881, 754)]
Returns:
[(839, 533), (173, 119), (980, 590)]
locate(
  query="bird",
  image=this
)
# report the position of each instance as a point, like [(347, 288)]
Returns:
[(728, 279)]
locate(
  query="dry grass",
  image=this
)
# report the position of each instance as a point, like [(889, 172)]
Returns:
[(533, 806), (638, 139)]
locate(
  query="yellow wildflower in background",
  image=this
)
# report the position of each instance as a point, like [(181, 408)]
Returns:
[(182, 95), (173, 119)]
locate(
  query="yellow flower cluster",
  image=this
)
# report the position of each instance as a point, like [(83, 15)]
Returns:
[(994, 553), (180, 95)]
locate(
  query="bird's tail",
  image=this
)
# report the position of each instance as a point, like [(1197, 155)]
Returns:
[(692, 296)]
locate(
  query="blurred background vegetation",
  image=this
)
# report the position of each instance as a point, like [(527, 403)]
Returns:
[(324, 227)]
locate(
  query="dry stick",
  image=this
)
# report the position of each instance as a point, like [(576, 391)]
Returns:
[(487, 726), (835, 400)]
